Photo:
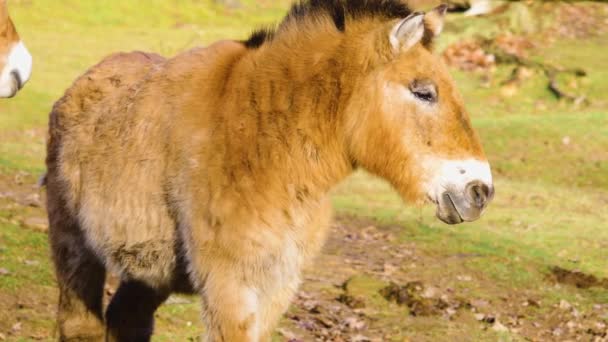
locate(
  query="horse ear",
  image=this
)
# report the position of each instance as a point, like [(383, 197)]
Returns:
[(407, 32), (433, 23)]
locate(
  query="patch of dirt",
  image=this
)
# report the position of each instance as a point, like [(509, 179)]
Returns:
[(21, 314), (369, 286), (414, 297), (577, 278), (22, 201)]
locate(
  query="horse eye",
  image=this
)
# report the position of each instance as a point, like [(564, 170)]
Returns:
[(424, 91), (425, 95)]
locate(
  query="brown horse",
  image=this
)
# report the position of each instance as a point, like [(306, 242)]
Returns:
[(209, 172), (15, 60)]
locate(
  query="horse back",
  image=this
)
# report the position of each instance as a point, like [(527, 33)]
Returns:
[(112, 152)]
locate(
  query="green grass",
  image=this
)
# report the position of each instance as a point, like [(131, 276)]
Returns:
[(551, 206), (24, 256)]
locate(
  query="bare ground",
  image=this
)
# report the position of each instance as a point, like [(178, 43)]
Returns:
[(369, 284)]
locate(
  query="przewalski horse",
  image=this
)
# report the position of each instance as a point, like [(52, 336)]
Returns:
[(15, 60), (209, 172)]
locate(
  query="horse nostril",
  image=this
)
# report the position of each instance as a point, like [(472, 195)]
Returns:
[(479, 193)]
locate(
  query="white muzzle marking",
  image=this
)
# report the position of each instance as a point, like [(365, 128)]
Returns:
[(453, 177), (17, 70)]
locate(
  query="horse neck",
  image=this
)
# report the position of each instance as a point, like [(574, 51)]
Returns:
[(294, 101)]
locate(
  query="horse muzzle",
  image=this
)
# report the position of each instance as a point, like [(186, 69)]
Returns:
[(461, 189), (455, 207), (16, 72)]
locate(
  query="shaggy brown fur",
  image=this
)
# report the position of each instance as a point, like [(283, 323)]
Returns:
[(209, 172)]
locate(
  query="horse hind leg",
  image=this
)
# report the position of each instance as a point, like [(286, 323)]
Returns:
[(130, 314), (80, 275)]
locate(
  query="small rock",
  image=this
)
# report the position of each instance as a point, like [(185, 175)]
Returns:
[(566, 140), (4, 271), (479, 316), (32, 262), (2, 337), (16, 327)]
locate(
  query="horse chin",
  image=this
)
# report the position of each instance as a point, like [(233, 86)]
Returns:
[(447, 211), (8, 91), (12, 87)]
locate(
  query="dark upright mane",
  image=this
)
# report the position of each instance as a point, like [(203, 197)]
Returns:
[(338, 10)]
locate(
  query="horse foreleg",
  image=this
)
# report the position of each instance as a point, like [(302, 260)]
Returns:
[(244, 306), (130, 315)]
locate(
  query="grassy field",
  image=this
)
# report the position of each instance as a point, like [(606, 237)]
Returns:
[(549, 157)]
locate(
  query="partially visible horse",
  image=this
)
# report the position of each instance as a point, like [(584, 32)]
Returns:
[(15, 60), (210, 172)]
